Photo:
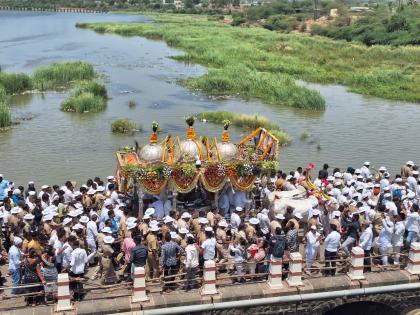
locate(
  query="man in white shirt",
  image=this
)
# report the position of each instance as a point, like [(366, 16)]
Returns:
[(384, 239), (15, 257), (92, 233), (365, 171), (412, 181), (331, 243), (398, 237), (235, 219), (365, 242), (79, 259), (209, 245), (59, 248), (312, 247), (412, 225)]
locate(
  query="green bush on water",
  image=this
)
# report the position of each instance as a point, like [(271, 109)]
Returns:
[(87, 96), (248, 122), (5, 116), (266, 60), (123, 125), (84, 102), (15, 82), (61, 74)]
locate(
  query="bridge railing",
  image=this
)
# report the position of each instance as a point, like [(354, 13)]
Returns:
[(280, 273)]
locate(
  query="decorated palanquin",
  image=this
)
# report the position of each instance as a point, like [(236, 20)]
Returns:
[(182, 164)]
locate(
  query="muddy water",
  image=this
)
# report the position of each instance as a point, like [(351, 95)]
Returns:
[(54, 146)]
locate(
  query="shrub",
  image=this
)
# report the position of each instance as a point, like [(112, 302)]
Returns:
[(93, 87), (5, 116), (84, 102), (15, 82), (123, 125), (60, 74)]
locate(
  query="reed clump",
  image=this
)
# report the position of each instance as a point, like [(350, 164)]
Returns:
[(86, 97), (59, 75), (15, 82), (247, 122), (5, 115), (124, 125)]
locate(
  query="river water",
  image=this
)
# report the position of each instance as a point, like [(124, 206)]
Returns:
[(55, 146)]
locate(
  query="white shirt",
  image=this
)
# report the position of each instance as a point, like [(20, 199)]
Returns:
[(14, 258), (91, 231), (235, 220), (78, 260), (209, 246), (67, 255), (332, 242), (191, 256), (412, 183), (365, 172), (265, 223), (398, 235), (366, 238), (58, 245), (385, 237), (412, 222)]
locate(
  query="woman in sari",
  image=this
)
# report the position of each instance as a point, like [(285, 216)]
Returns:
[(32, 275)]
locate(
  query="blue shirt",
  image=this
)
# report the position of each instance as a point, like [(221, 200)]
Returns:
[(14, 258), (168, 254), (3, 185)]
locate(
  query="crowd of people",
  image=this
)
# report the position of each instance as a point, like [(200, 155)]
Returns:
[(57, 229)]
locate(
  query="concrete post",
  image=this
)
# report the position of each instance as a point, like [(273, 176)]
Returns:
[(275, 274), (63, 293), (413, 265), (139, 285), (209, 278), (356, 265), (295, 270)]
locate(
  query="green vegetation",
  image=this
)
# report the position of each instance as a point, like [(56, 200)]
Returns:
[(59, 75), (303, 135), (86, 97), (5, 116), (123, 125), (377, 27), (246, 60), (15, 82), (248, 122), (132, 104)]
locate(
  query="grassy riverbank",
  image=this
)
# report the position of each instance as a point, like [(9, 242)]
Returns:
[(5, 116), (247, 122), (257, 63)]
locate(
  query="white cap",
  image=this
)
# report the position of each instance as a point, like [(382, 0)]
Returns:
[(415, 172), (72, 213), (15, 210), (183, 230), (146, 217), (84, 219), (106, 229), (16, 191), (150, 211), (29, 216), (387, 195), (78, 212), (91, 191), (173, 234), (337, 184), (366, 163), (17, 240), (153, 228), (31, 193), (168, 219), (78, 226), (411, 195), (208, 229), (44, 186), (313, 227), (100, 188), (345, 191), (223, 223), (66, 221), (131, 225), (398, 180), (357, 171), (316, 212), (254, 221), (387, 188), (203, 220), (131, 219), (239, 209), (185, 215), (108, 202), (410, 163), (336, 213), (382, 169), (279, 216), (110, 177), (1, 175), (330, 178), (108, 239), (31, 182), (298, 215), (338, 174), (47, 217), (289, 177), (265, 211)]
